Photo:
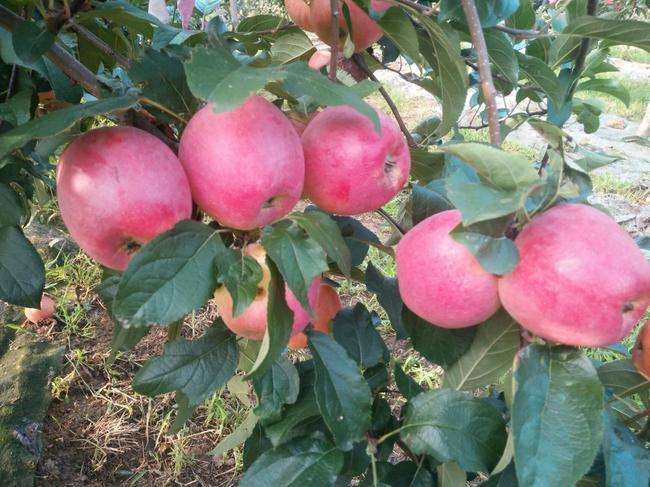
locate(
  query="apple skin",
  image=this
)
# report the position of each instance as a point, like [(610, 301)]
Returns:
[(45, 312), (320, 59), (641, 352), (253, 321), (439, 279), (245, 167), (581, 280), (119, 187), (349, 167), (327, 305)]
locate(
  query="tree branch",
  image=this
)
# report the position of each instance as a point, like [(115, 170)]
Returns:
[(98, 43), (487, 84), (359, 61), (585, 47), (334, 33)]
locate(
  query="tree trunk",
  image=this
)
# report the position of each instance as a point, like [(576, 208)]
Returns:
[(644, 128)]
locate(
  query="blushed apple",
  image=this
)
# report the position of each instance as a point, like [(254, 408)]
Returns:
[(252, 322), (439, 279), (245, 166), (641, 352), (349, 167), (119, 187), (327, 305), (581, 280), (44, 312)]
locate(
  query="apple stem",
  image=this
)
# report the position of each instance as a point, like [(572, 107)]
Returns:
[(334, 5)]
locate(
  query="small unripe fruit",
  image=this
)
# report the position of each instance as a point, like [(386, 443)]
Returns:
[(246, 166), (349, 167), (641, 352), (439, 279), (45, 312), (581, 280), (118, 188), (327, 305)]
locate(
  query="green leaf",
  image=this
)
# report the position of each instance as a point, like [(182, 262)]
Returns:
[(405, 384), (451, 475), (257, 23), (22, 274), (162, 79), (298, 257), (425, 165), (490, 12), (17, 110), (425, 133), (429, 200), (241, 274), (398, 27), (324, 231), (489, 357), (609, 86), (556, 415), (451, 80), (342, 394), (306, 461), (278, 329), (256, 444), (387, 292), (541, 76), (614, 32), (455, 426), (197, 368), (291, 46), (622, 377), (356, 237), (354, 330), (627, 462), (497, 255), (524, 16), (11, 207), (502, 57), (239, 435), (278, 386), (505, 170), (591, 160), (30, 42), (59, 120), (442, 346), (169, 277)]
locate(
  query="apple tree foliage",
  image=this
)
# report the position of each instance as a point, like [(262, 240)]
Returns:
[(513, 412)]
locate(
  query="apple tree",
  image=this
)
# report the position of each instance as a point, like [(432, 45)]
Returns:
[(174, 135)]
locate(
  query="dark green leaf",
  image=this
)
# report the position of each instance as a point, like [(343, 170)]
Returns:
[(627, 462), (11, 207), (609, 86), (377, 377), (405, 384), (455, 426), (490, 356), (497, 255), (621, 377), (524, 16), (321, 228), (22, 275), (507, 478), (241, 274), (298, 257), (429, 200), (356, 237), (342, 394), (451, 475), (385, 288), (502, 57), (31, 42), (407, 474), (17, 110), (59, 120), (256, 444), (556, 415), (425, 165), (169, 277), (354, 330), (278, 386), (397, 25), (541, 76), (197, 368), (306, 461), (442, 346)]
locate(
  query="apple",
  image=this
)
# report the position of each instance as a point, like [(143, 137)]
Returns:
[(253, 321), (439, 279), (119, 187), (245, 166), (44, 312), (581, 280), (349, 167), (320, 59), (641, 352), (380, 5), (327, 305)]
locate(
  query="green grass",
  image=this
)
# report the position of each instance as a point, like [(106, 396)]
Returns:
[(639, 98), (629, 53), (609, 184)]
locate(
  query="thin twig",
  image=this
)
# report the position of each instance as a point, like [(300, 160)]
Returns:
[(359, 61), (392, 221), (487, 84), (485, 125), (334, 33), (98, 43), (162, 108), (140, 121), (12, 79)]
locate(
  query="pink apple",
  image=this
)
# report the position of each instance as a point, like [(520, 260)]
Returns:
[(327, 305), (119, 187), (349, 167), (246, 166), (44, 312), (320, 59), (439, 279), (380, 5), (581, 280), (252, 322)]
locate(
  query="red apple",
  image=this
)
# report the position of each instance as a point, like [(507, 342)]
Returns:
[(246, 166), (349, 167), (320, 59), (380, 5), (119, 187), (581, 280), (45, 312), (641, 352), (327, 305), (253, 321), (439, 279)]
